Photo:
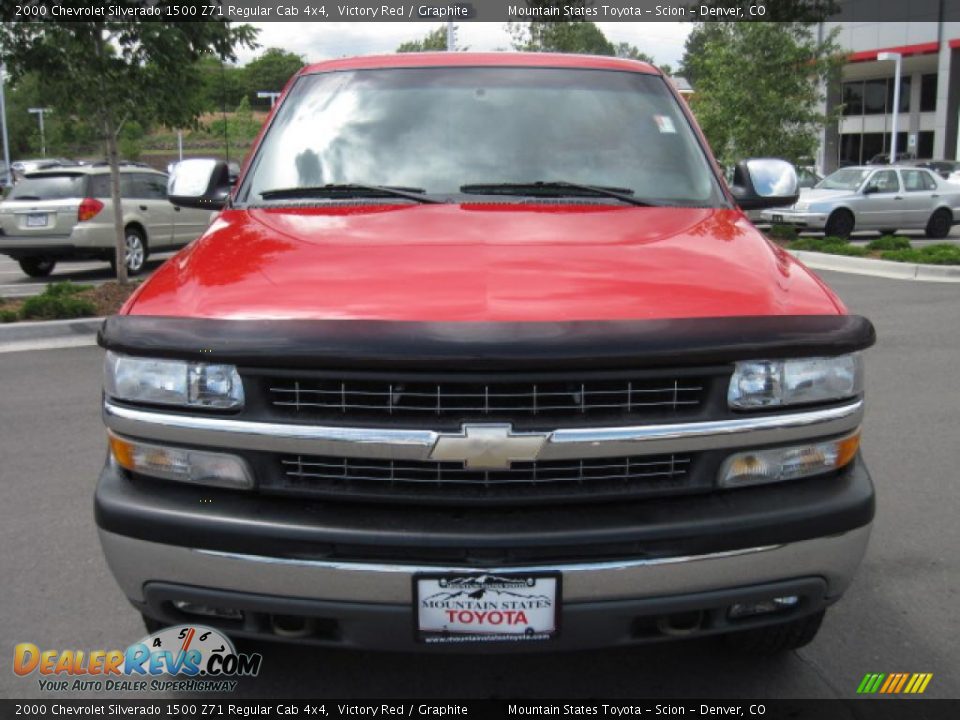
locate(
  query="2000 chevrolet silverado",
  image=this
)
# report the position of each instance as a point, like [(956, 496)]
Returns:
[(481, 352)]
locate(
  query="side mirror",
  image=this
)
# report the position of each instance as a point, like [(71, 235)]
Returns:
[(764, 183), (870, 190), (199, 183)]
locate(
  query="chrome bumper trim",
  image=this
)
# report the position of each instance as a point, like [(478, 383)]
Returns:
[(562, 444), (414, 569), (137, 562)]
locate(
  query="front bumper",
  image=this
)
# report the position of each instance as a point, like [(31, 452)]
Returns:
[(692, 558), (808, 220)]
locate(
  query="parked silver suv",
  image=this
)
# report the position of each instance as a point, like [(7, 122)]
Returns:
[(66, 213)]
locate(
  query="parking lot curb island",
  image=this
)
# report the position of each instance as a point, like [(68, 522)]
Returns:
[(49, 330), (878, 268)]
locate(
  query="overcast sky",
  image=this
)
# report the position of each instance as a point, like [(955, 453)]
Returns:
[(321, 41)]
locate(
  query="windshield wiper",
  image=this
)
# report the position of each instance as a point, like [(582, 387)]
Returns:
[(555, 188), (349, 190)]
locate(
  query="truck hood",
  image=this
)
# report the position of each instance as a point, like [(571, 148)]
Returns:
[(481, 262)]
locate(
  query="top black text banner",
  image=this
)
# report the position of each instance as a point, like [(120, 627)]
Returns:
[(484, 10)]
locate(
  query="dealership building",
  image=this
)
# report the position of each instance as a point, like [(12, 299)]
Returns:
[(927, 116)]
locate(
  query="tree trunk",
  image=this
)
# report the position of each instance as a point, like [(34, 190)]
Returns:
[(121, 241), (110, 131)]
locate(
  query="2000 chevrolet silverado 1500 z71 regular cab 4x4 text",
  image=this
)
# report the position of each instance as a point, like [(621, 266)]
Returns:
[(481, 353)]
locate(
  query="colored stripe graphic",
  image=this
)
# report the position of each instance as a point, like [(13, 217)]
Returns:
[(894, 683)]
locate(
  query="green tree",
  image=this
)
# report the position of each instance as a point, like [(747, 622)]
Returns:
[(221, 85), (759, 88), (786, 11), (131, 140), (694, 49), (564, 37), (270, 72), (433, 40), (119, 70), (576, 36), (632, 52)]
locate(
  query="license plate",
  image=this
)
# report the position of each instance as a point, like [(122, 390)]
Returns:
[(482, 607), (37, 220), (778, 218)]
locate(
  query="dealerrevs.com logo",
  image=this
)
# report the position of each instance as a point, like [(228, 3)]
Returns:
[(199, 659)]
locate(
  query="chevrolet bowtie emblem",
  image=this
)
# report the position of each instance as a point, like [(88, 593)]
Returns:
[(488, 447)]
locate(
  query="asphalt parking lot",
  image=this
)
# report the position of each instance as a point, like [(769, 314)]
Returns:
[(14, 283), (899, 616)]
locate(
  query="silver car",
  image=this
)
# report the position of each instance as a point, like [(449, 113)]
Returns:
[(884, 199), (66, 213)]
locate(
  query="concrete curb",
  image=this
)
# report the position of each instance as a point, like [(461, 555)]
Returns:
[(20, 332), (878, 268)]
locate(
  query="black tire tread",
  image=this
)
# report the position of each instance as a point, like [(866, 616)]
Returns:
[(830, 228), (30, 266), (937, 235)]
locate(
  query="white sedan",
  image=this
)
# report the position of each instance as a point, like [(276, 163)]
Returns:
[(884, 199)]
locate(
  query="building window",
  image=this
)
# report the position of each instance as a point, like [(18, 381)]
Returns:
[(871, 145), (928, 93), (875, 97), (849, 149), (857, 149), (904, 93), (853, 98), (925, 144)]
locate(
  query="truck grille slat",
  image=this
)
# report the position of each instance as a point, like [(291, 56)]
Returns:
[(463, 401), (524, 482)]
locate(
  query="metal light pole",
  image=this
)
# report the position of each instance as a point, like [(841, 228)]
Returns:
[(264, 94), (8, 179), (39, 112), (451, 37), (898, 59)]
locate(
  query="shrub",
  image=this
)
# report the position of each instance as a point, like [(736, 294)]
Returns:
[(46, 307), (846, 249), (58, 302), (939, 254), (65, 288), (8, 316), (831, 245), (783, 232), (889, 242)]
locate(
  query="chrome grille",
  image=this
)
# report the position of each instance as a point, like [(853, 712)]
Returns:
[(506, 400), (591, 479)]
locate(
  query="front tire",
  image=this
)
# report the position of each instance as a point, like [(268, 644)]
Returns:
[(136, 251), (840, 224), (37, 266), (938, 227), (774, 639)]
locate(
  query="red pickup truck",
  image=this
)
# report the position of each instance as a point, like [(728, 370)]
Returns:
[(481, 353)]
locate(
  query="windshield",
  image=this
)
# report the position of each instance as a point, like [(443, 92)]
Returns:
[(844, 179), (48, 187), (438, 129)]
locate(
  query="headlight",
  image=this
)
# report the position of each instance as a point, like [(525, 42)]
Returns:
[(197, 467), (759, 467), (172, 382), (771, 383)]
